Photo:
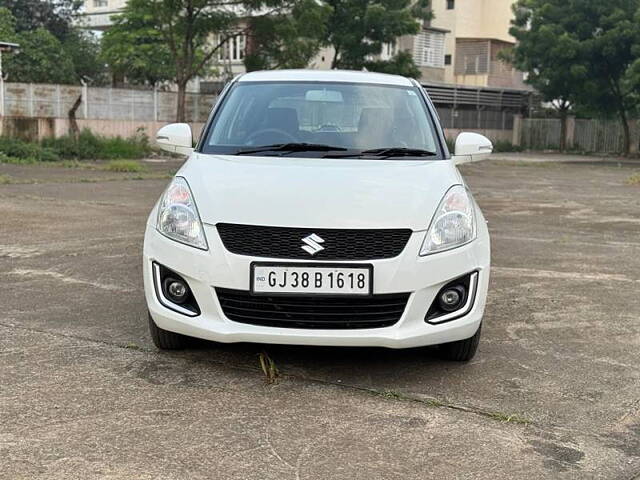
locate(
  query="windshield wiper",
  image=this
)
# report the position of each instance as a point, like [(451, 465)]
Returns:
[(387, 152), (398, 152), (292, 147)]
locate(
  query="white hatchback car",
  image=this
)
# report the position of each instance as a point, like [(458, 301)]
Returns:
[(319, 208)]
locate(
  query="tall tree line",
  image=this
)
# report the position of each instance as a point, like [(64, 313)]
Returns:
[(581, 55)]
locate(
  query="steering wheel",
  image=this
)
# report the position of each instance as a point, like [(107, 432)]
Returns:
[(285, 135)]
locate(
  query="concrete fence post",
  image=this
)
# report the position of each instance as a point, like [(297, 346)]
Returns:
[(58, 112), (517, 130), (155, 103), (570, 138), (31, 109), (1, 96), (635, 136), (110, 102), (85, 100)]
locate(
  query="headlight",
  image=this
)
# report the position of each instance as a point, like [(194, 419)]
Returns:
[(454, 223), (178, 216)]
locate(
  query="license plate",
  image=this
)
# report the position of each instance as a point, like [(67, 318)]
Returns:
[(315, 280)]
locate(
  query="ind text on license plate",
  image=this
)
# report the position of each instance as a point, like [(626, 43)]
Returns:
[(316, 279)]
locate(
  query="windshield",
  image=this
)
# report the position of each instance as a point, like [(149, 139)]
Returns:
[(321, 119)]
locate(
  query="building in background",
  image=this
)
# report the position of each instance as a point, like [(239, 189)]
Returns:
[(459, 46), (96, 14), (479, 30)]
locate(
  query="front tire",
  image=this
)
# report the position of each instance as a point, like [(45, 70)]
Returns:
[(166, 340), (462, 350)]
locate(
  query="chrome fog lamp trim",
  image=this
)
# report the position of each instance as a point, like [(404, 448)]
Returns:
[(164, 300), (461, 312)]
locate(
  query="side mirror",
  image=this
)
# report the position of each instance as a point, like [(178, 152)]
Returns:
[(175, 138), (471, 147)]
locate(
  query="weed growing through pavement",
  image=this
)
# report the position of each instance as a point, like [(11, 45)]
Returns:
[(268, 367), (634, 179)]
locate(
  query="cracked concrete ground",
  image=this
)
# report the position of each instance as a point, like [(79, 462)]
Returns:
[(83, 393)]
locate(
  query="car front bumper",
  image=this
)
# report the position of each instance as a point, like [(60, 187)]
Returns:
[(422, 277)]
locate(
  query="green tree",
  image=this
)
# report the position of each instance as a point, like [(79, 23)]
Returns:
[(549, 55), (83, 49), (194, 31), (400, 64), (7, 26), (52, 50), (134, 49), (41, 59), (286, 40), (592, 48), (56, 16), (357, 29)]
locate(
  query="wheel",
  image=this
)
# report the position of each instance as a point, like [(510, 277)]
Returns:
[(462, 350), (165, 340)]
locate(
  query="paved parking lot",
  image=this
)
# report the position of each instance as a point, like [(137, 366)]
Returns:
[(553, 393)]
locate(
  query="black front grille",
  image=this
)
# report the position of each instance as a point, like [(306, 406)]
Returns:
[(299, 311), (339, 244)]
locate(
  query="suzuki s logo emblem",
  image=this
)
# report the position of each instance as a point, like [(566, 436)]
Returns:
[(312, 242)]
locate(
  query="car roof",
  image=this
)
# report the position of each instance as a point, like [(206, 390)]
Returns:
[(325, 76)]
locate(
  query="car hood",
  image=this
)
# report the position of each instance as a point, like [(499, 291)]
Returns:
[(318, 192)]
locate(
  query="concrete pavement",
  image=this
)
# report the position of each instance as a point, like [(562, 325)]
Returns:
[(553, 393)]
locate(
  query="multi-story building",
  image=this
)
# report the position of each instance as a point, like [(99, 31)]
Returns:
[(459, 46), (96, 14), (477, 31)]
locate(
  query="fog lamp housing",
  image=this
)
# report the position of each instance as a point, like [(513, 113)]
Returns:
[(173, 291), (454, 300)]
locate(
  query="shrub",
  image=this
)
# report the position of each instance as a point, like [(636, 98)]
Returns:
[(92, 147), (19, 151), (506, 146)]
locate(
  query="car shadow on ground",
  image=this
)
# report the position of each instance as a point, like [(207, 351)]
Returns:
[(364, 366)]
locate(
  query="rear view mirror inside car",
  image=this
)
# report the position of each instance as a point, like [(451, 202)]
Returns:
[(323, 96)]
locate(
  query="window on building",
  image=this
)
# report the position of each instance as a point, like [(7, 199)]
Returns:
[(100, 3), (388, 51), (451, 4), (447, 59), (233, 50), (472, 57), (428, 49)]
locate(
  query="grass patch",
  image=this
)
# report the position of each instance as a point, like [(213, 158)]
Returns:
[(634, 179), (72, 164), (503, 417), (124, 166), (5, 179), (393, 395)]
